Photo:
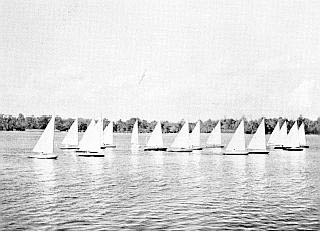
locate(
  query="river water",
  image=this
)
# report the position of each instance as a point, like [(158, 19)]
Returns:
[(157, 190)]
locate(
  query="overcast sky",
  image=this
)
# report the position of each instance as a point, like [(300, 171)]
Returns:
[(160, 59)]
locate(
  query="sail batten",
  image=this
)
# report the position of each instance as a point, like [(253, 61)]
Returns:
[(237, 142), (45, 142)]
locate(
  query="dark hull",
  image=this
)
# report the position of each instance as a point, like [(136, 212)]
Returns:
[(214, 146), (69, 148), (155, 149), (293, 149), (179, 150), (305, 146), (259, 152), (87, 154), (108, 146), (197, 148), (278, 147)]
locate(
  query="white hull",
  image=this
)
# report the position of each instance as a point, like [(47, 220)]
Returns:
[(43, 156)]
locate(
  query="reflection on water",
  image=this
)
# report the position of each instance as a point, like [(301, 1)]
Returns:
[(137, 190), (45, 174)]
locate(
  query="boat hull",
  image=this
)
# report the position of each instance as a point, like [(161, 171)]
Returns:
[(293, 149), (155, 149), (236, 153), (305, 146), (278, 147), (215, 146), (259, 152), (197, 148), (179, 150), (90, 154), (43, 156), (69, 148), (108, 146)]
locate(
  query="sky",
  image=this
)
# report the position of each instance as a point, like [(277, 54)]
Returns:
[(160, 59)]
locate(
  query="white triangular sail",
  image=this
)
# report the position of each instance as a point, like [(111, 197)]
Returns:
[(282, 138), (108, 134), (215, 135), (91, 138), (195, 136), (182, 139), (72, 135), (302, 135), (135, 134), (99, 127), (45, 143), (258, 141), (293, 137), (274, 137), (237, 142), (156, 137)]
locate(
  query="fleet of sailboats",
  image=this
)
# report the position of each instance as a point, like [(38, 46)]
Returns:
[(181, 142), (292, 142), (95, 138), (90, 144), (155, 142), (45, 146), (282, 137)]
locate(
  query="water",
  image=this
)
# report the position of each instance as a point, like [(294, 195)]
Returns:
[(157, 190)]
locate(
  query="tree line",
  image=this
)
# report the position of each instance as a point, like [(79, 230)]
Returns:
[(21, 123)]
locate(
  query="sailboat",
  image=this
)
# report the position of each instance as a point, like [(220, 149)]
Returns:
[(257, 144), (108, 136), (44, 146), (282, 136), (71, 139), (292, 142), (155, 143), (237, 145), (181, 142), (302, 136), (274, 137), (214, 140), (135, 136), (195, 137), (90, 142), (99, 127)]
